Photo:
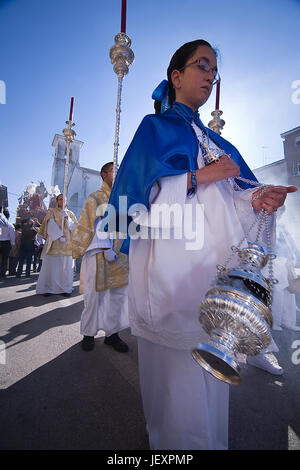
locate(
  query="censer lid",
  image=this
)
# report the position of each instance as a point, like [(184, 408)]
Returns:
[(255, 282), (255, 247), (258, 278), (253, 256)]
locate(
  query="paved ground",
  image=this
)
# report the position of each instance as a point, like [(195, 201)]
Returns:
[(55, 396)]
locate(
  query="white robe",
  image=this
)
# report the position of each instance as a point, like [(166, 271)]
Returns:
[(56, 275), (284, 307), (185, 407), (107, 310)]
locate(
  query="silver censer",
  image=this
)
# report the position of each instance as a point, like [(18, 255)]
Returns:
[(236, 311)]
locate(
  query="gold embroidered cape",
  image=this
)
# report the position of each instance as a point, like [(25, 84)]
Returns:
[(58, 248), (108, 274)]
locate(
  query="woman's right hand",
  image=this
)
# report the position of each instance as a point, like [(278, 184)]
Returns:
[(224, 168)]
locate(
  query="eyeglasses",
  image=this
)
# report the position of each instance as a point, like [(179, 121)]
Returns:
[(204, 67)]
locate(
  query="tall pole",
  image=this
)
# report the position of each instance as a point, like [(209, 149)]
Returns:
[(121, 57), (69, 134)]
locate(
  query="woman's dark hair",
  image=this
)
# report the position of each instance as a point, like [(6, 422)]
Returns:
[(178, 61)]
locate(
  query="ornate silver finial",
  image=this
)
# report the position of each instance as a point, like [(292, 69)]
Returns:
[(121, 57), (216, 124), (68, 132), (211, 155)]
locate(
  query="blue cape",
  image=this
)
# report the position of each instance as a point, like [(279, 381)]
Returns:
[(164, 145)]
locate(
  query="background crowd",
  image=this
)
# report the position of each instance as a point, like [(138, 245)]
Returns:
[(19, 243)]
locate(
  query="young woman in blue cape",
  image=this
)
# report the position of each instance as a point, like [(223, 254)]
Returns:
[(191, 218)]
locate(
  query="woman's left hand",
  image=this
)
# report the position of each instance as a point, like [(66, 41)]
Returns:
[(272, 198)]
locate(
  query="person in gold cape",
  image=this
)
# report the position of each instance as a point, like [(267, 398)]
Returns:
[(103, 274), (56, 276)]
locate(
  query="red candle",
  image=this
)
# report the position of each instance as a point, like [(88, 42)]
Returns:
[(123, 17), (218, 94), (71, 109)]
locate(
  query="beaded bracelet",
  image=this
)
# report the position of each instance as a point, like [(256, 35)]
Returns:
[(191, 191)]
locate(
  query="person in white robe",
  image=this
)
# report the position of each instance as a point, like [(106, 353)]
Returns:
[(185, 407), (156, 298), (284, 306), (56, 275), (103, 274)]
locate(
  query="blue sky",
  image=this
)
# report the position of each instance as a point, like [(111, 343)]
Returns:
[(54, 49)]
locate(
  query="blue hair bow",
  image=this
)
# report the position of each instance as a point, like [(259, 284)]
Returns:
[(161, 93)]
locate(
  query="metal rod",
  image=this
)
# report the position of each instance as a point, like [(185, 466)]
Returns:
[(117, 131), (65, 180), (69, 137)]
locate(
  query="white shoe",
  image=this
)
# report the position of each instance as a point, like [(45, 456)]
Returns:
[(267, 362)]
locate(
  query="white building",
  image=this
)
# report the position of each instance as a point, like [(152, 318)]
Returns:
[(81, 181)]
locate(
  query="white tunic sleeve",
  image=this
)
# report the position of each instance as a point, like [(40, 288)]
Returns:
[(53, 230), (12, 234), (71, 224), (3, 220), (97, 245)]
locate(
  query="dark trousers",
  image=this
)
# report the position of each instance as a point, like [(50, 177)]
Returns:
[(26, 253), (13, 262), (5, 247), (37, 258)]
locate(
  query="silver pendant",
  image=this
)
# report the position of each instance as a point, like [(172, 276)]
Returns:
[(211, 155)]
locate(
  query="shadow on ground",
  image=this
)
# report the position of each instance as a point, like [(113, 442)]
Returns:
[(33, 300), (264, 409), (77, 401), (64, 315)]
